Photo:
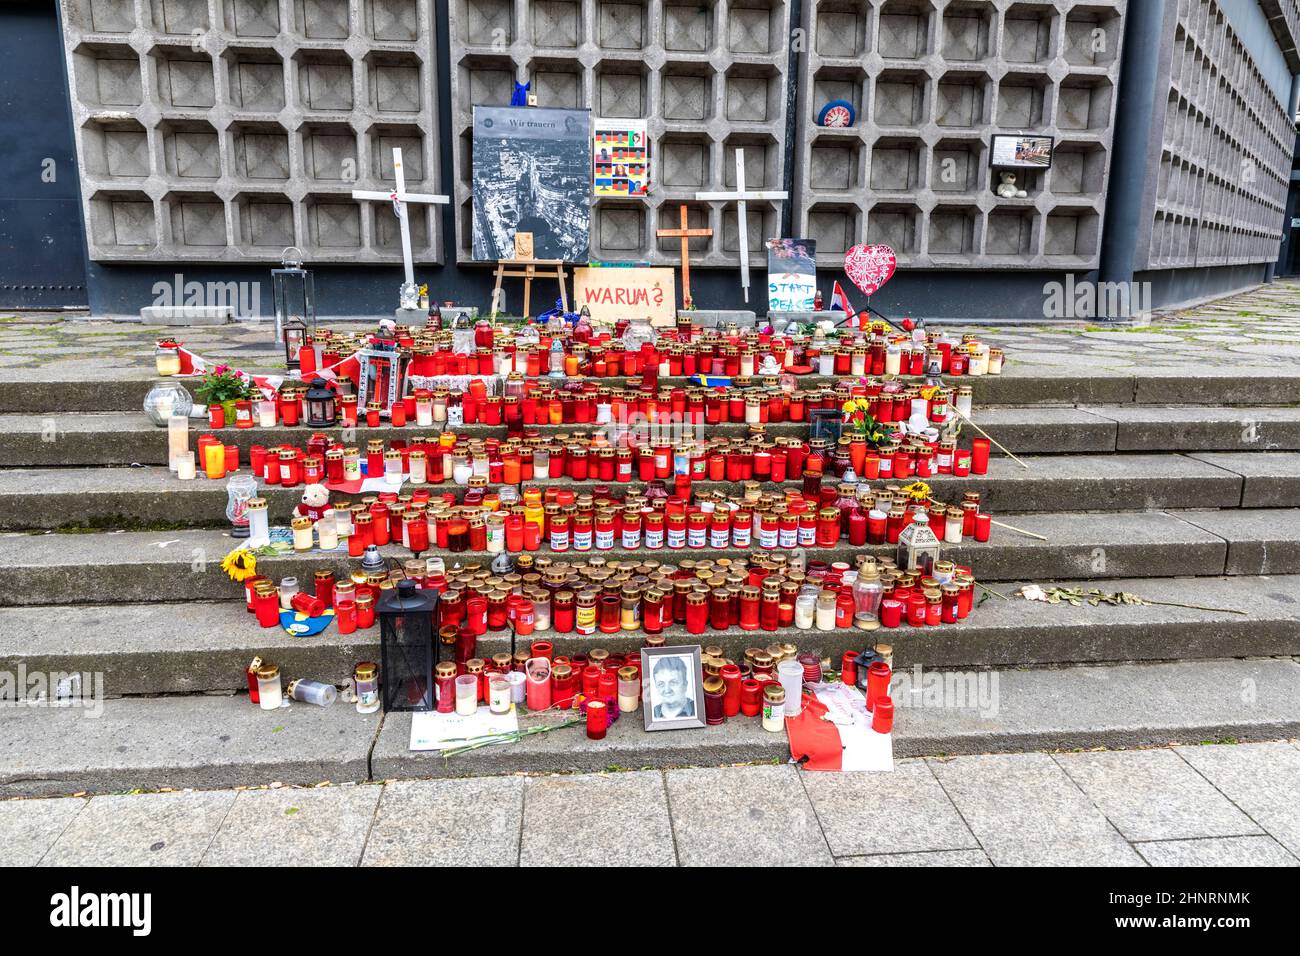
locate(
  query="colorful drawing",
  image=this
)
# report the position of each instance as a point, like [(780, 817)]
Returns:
[(620, 154)]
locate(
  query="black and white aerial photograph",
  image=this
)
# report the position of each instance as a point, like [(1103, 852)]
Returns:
[(532, 173)]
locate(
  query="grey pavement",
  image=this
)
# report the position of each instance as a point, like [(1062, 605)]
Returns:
[(1209, 805)]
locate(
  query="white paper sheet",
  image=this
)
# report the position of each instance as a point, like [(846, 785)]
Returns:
[(864, 749), (431, 730)]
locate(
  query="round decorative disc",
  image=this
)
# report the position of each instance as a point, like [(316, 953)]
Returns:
[(837, 113)]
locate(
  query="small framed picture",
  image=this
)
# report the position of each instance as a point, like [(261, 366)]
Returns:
[(1022, 152), (672, 688)]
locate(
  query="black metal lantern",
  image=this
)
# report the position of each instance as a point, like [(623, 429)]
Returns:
[(295, 304), (408, 647), (294, 334), (322, 410)]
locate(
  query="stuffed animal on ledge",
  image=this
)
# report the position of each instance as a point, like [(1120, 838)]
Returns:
[(315, 502), (1008, 188)]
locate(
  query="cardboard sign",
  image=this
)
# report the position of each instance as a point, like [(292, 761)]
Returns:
[(638, 293), (791, 275)]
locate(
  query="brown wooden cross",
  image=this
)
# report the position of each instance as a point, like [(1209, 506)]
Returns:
[(685, 234)]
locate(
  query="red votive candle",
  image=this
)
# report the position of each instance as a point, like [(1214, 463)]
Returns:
[(878, 675), (979, 456), (597, 720), (983, 527), (882, 718), (891, 613)]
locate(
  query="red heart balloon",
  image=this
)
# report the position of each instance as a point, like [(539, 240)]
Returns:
[(870, 267)]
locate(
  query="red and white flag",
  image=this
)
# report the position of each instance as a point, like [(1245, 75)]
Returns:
[(839, 300)]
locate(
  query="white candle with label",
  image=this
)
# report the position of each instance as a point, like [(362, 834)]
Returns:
[(178, 439)]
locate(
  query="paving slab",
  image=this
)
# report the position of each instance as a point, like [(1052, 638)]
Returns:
[(597, 820), (1025, 811), (293, 827), (1261, 779), (886, 813), (1271, 479), (28, 828), (744, 816), (202, 742), (1221, 851), (935, 858), (1154, 795), (155, 829), (1260, 541), (458, 823)]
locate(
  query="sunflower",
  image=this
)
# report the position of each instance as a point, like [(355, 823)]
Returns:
[(917, 490), (240, 564)]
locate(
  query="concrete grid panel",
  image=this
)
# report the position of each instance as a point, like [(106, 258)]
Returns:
[(931, 81), (1225, 154), (226, 130), (708, 76)]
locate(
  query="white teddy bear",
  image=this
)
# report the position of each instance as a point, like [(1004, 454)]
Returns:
[(1008, 189), (315, 502)]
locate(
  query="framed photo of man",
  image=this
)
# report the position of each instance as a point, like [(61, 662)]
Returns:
[(672, 688)]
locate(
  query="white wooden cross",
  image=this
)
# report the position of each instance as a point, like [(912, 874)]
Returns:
[(399, 198), (742, 225)]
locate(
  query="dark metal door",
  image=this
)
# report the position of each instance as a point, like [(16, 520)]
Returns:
[(42, 252)]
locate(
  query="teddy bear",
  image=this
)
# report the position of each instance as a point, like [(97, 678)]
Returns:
[(1008, 189), (315, 502)]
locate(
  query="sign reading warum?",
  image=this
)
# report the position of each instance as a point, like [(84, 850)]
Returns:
[(641, 294)]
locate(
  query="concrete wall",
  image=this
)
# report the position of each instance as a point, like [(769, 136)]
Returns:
[(156, 196)]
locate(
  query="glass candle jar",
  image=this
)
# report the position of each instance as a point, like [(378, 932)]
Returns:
[(774, 708), (466, 694), (825, 611), (365, 677), (629, 689), (697, 612), (313, 692), (498, 694), (269, 693), (714, 712)]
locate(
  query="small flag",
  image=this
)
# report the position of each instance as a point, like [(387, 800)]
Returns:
[(839, 300)]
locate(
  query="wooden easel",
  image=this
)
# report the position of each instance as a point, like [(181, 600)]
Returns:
[(528, 270)]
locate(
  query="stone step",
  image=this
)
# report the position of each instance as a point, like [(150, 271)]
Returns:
[(120, 390), (178, 566), (151, 649), (126, 438), (125, 498), (211, 742)]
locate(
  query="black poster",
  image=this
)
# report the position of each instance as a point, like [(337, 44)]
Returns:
[(532, 173)]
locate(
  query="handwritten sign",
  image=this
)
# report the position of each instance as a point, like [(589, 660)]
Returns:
[(791, 275), (637, 293)]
